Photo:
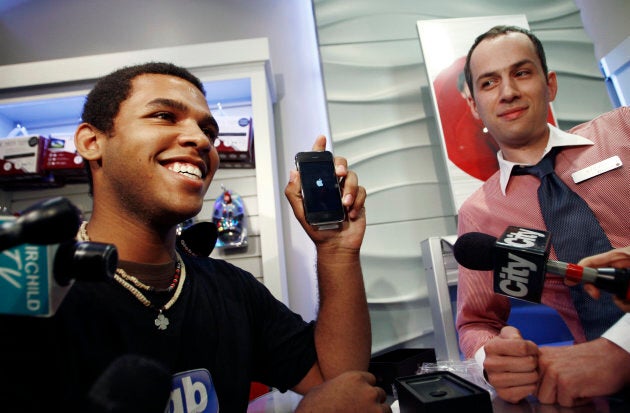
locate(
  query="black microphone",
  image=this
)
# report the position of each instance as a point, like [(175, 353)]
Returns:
[(198, 239), (131, 384), (87, 261), (51, 221), (40, 258), (520, 261)]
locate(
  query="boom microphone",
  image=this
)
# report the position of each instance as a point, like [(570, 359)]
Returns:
[(520, 261)]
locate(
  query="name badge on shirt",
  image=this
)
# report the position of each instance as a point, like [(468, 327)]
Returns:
[(599, 168)]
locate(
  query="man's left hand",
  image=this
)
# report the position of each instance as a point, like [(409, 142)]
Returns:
[(572, 375)]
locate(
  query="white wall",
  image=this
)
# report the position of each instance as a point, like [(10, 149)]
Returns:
[(34, 30), (382, 119), (606, 22)]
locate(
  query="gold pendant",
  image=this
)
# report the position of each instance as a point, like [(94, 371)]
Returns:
[(161, 322)]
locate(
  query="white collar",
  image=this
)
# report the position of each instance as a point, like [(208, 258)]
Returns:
[(557, 138)]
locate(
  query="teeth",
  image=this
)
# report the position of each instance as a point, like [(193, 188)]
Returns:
[(186, 169)]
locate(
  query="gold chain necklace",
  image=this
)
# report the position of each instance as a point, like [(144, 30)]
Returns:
[(127, 281)]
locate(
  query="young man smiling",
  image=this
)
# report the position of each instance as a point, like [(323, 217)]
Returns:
[(148, 139), (511, 89)]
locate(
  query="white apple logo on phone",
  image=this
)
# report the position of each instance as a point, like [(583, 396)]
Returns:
[(319, 182)]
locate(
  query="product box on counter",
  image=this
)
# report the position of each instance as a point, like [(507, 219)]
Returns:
[(235, 142), (396, 363), (441, 392)]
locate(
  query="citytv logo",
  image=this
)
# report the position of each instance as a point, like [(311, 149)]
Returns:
[(193, 392), (516, 274)]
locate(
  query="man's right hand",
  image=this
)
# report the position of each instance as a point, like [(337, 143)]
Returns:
[(511, 365), (349, 392)]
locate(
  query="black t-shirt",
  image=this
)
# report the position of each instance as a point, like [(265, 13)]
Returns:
[(225, 321)]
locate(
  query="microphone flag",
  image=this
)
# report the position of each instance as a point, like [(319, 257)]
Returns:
[(27, 285), (520, 263)]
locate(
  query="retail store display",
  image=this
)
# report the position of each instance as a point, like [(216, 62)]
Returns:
[(229, 217)]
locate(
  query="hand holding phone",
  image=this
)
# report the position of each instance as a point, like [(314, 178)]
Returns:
[(321, 194)]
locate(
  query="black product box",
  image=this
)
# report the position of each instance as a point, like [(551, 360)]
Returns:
[(396, 363), (440, 392)]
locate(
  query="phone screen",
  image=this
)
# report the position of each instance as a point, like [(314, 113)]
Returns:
[(320, 188)]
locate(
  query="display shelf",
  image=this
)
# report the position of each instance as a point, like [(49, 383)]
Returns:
[(48, 96)]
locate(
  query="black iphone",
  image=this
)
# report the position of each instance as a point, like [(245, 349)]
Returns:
[(321, 194)]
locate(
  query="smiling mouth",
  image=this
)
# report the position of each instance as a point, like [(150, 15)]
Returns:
[(512, 113), (186, 169)]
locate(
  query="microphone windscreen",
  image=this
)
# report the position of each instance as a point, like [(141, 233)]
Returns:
[(475, 251), (51, 221), (199, 239), (131, 383)]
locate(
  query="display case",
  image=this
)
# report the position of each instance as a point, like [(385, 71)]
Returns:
[(46, 99)]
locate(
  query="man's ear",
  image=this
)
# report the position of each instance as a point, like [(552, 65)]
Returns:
[(87, 140), (552, 85), (473, 106)]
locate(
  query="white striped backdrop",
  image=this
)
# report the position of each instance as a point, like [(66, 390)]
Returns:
[(379, 108)]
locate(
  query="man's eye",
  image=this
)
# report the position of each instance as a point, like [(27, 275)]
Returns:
[(211, 133), (165, 115), (521, 73), (487, 83)]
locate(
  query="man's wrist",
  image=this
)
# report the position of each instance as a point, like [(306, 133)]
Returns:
[(334, 254)]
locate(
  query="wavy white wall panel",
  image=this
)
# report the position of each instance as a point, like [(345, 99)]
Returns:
[(345, 21), (396, 292), (368, 140), (582, 99), (380, 114), (396, 288)]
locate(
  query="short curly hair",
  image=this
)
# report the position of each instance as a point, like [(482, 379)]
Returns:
[(103, 102)]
